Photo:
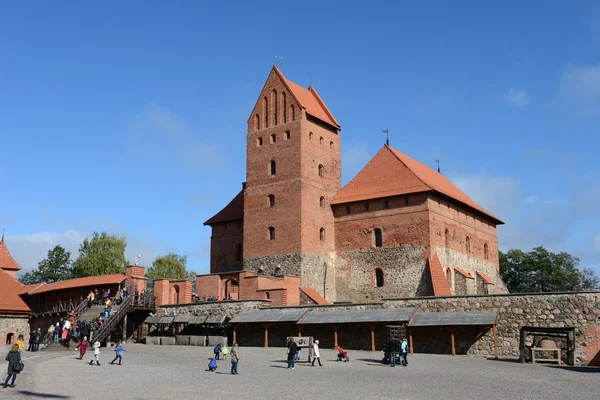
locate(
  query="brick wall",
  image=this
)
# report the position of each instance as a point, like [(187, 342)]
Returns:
[(135, 277), (162, 292), (223, 251), (208, 285)]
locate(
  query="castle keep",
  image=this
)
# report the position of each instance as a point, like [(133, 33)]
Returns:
[(397, 229)]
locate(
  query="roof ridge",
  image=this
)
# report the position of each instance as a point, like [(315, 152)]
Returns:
[(358, 173), (11, 263), (286, 84), (393, 151), (323, 105)]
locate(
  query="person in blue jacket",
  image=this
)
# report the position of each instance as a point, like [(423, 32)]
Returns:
[(217, 350), (119, 350), (212, 364)]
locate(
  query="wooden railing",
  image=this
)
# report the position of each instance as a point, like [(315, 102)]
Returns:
[(109, 324), (62, 306)]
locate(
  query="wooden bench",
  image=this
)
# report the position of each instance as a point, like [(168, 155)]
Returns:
[(554, 359)]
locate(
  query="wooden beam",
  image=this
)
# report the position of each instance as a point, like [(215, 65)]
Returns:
[(335, 335), (452, 341), (495, 342), (372, 326), (267, 334), (410, 340), (234, 334)]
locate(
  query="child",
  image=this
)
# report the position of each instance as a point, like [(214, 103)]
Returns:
[(212, 365), (118, 353), (82, 347), (224, 351), (217, 350), (21, 342), (96, 353)]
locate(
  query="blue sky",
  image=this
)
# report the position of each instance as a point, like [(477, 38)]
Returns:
[(130, 117)]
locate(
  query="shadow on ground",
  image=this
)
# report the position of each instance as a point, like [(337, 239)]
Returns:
[(576, 369), (44, 395)]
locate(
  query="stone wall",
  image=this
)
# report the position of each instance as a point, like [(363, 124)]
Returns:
[(15, 324), (228, 308), (404, 271), (580, 310)]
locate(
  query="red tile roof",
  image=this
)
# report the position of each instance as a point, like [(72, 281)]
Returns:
[(309, 100), (10, 302), (438, 278), (98, 280), (485, 277), (392, 173), (30, 288), (232, 211), (464, 273), (314, 296), (6, 260)]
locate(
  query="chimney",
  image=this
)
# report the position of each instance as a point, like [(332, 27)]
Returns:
[(243, 185)]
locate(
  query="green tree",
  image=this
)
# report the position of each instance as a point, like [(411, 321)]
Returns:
[(102, 255), (57, 266), (171, 266), (543, 271)]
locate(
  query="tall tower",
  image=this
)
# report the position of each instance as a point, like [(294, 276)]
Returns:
[(293, 171)]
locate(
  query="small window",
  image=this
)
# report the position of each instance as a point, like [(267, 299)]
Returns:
[(367, 206), (386, 203), (321, 173), (259, 142), (321, 141), (271, 200), (378, 277), (406, 200), (449, 276), (322, 234), (225, 226), (378, 237), (486, 253), (271, 233), (322, 202), (310, 135), (278, 271), (272, 168), (261, 271), (238, 252), (348, 210), (468, 244), (273, 138), (287, 135), (257, 122), (447, 237), (331, 145), (267, 296)]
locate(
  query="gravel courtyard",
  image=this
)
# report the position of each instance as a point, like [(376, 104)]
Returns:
[(171, 372)]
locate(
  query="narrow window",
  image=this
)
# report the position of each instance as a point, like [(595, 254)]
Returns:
[(238, 252), (267, 296), (292, 112), (378, 238), (468, 244), (322, 202), (275, 108), (259, 142), (449, 276), (321, 141), (447, 238), (321, 170), (272, 168), (284, 99), (378, 277), (486, 253), (278, 271), (331, 145), (406, 200), (271, 233), (366, 206), (257, 122), (310, 135), (287, 135), (348, 210), (322, 234), (271, 200), (266, 111), (386, 203), (273, 138)]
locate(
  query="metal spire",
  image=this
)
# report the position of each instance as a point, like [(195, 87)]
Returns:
[(438, 163), (2, 236), (387, 136)]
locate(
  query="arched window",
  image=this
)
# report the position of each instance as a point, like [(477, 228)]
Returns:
[(348, 210), (259, 142), (266, 111), (284, 100), (449, 276), (386, 203), (272, 168), (271, 200), (322, 234), (278, 271), (271, 233), (447, 238), (273, 138), (321, 173), (310, 135), (322, 202), (321, 141), (367, 206), (406, 200), (287, 135), (257, 122), (267, 296), (238, 252), (378, 277), (292, 112), (468, 244), (486, 253), (261, 271), (331, 145), (378, 237), (275, 108)]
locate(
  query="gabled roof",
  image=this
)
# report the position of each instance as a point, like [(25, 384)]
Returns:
[(232, 211), (112, 279), (10, 302), (7, 262), (438, 279), (392, 173), (309, 100)]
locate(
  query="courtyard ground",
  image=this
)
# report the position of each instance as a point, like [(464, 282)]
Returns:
[(175, 372)]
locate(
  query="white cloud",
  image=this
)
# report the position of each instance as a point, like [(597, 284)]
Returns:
[(518, 98), (354, 157), (580, 85)]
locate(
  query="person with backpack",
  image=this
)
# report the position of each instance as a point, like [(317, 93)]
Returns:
[(119, 350), (15, 365)]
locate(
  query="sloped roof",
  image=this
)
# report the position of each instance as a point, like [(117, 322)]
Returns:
[(269, 315), (464, 273), (480, 318), (354, 316), (10, 301), (485, 277), (7, 262), (30, 288), (314, 295), (309, 100), (438, 279), (112, 279), (392, 173), (232, 211)]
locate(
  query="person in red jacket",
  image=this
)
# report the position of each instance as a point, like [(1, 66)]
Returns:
[(83, 345)]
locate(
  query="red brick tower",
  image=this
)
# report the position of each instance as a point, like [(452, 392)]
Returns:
[(293, 171)]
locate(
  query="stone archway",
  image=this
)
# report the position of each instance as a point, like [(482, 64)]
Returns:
[(10, 338)]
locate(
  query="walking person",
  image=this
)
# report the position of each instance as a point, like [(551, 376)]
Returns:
[(217, 350), (31, 338), (21, 342), (404, 350), (292, 347), (15, 365), (316, 354), (118, 353), (235, 358), (82, 346), (37, 339), (96, 353)]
